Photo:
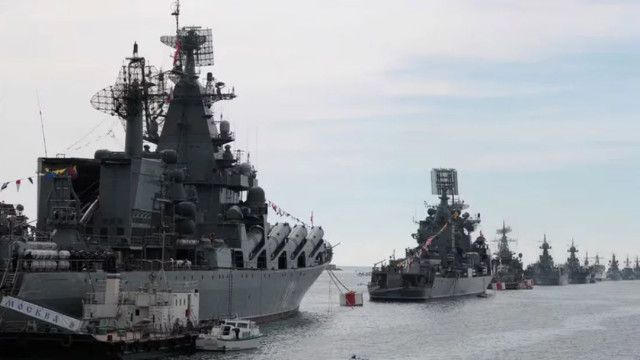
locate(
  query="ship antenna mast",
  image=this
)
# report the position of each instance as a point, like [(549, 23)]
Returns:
[(176, 13)]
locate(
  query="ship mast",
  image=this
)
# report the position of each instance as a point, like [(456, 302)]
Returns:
[(176, 13)]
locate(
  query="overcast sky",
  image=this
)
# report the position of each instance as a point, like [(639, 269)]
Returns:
[(346, 106)]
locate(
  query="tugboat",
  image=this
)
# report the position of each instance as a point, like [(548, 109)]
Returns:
[(597, 269), (116, 324), (627, 272), (613, 273), (577, 274), (544, 272), (508, 269), (445, 263)]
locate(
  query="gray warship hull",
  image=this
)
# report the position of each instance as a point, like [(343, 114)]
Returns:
[(552, 280), (257, 294), (441, 288)]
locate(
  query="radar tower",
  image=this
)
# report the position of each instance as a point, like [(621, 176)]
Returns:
[(176, 13), (137, 100), (443, 181), (503, 242)]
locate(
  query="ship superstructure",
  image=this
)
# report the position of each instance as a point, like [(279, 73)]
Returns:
[(578, 274), (627, 271), (190, 205), (613, 273), (597, 269), (445, 263), (545, 272), (507, 267)]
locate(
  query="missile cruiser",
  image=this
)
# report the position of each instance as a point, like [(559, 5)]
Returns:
[(190, 208), (445, 263)]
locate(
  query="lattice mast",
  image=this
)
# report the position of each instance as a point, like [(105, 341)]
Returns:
[(137, 97), (504, 241)]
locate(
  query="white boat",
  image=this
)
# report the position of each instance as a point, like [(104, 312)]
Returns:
[(231, 334)]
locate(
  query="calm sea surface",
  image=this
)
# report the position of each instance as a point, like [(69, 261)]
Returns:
[(595, 321)]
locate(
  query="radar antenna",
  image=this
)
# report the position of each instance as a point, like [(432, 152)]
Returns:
[(444, 181), (176, 13), (503, 242), (194, 47), (137, 97)]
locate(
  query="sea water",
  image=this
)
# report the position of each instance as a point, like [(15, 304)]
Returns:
[(590, 321)]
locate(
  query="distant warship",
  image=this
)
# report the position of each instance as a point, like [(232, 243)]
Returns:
[(627, 271), (445, 263), (597, 269), (613, 273), (190, 206), (636, 268), (544, 272), (508, 269), (577, 274)]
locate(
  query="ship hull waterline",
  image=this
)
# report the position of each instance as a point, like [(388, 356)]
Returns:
[(260, 295), (442, 288)]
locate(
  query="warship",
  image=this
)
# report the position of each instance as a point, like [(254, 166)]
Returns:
[(578, 274), (636, 268), (508, 269), (190, 208), (597, 269), (613, 273), (445, 263), (627, 271), (544, 272)]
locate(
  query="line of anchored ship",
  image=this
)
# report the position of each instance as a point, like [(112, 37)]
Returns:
[(544, 272), (447, 262)]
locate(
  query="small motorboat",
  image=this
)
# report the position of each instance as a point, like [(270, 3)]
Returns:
[(229, 335)]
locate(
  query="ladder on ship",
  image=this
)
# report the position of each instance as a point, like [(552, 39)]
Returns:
[(230, 303), (9, 281)]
